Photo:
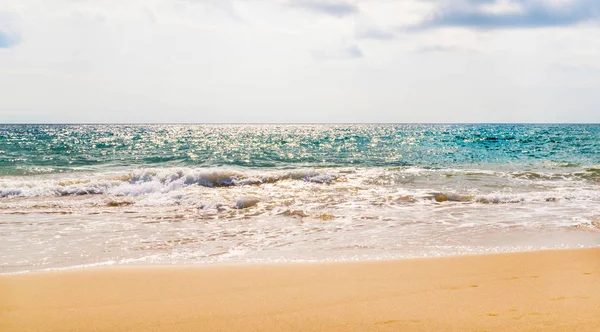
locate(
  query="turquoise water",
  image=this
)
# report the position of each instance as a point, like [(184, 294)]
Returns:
[(34, 149), (87, 195)]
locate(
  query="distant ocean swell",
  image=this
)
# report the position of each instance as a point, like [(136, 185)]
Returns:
[(47, 149)]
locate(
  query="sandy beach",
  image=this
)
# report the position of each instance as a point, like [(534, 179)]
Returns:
[(533, 291)]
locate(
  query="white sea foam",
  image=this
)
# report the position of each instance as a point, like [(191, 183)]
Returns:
[(205, 215), (147, 181)]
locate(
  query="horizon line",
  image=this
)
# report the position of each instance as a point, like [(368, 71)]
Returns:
[(296, 123)]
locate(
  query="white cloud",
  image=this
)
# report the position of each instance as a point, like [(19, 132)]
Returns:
[(10, 29), (337, 8), (259, 60), (502, 7)]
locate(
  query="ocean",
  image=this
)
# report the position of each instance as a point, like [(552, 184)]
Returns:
[(90, 195)]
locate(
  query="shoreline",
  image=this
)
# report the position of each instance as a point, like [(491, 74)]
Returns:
[(115, 265), (549, 290)]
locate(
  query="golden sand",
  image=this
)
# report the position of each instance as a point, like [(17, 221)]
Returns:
[(535, 291)]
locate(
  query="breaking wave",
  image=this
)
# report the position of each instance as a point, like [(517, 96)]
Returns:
[(146, 181), (393, 186)]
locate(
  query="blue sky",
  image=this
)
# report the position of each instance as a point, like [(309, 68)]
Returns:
[(480, 14), (299, 61)]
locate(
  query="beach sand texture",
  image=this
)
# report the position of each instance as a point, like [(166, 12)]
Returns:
[(532, 291)]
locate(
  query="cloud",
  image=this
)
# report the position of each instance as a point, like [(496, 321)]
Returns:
[(374, 33), (6, 40), (436, 49), (353, 52), (128, 60), (226, 6), (329, 7), (9, 33), (495, 14), (345, 52)]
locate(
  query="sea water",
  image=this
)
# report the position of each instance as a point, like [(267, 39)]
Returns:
[(87, 195)]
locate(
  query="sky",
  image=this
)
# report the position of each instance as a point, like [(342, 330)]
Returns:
[(227, 61)]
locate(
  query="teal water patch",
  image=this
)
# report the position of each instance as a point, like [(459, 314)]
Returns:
[(41, 149)]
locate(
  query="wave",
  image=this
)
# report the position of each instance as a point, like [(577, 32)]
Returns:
[(591, 174), (504, 197), (548, 197), (413, 184), (146, 181)]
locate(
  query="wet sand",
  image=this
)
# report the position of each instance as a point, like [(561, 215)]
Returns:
[(534, 291)]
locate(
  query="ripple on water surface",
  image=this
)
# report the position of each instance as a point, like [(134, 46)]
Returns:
[(93, 195)]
